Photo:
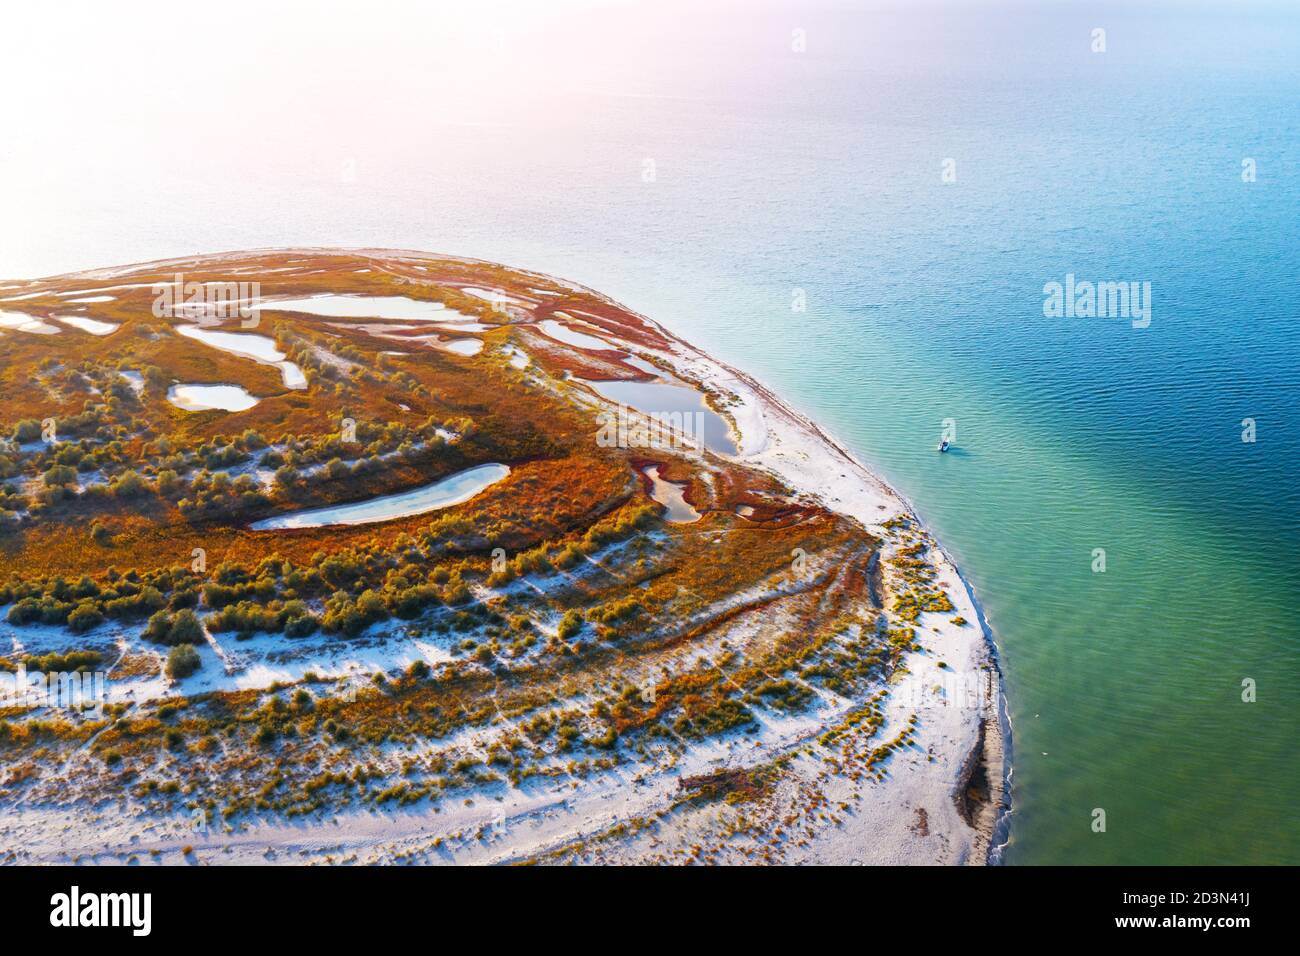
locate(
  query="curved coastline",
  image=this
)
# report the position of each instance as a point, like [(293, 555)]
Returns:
[(992, 746)]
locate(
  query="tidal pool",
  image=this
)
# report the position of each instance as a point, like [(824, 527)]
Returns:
[(672, 496), (93, 326), (259, 348), (671, 403), (452, 490), (462, 346), (200, 398), (562, 333), (25, 323)]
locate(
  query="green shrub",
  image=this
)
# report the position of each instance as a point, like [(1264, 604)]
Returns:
[(570, 624), (186, 628), (85, 617), (25, 611), (301, 626), (169, 483), (59, 475), (182, 661), (183, 627), (129, 485)]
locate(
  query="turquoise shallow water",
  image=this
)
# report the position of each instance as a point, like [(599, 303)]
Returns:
[(925, 303), (821, 171)]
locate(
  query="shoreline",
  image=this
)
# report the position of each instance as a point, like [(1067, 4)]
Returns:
[(990, 748)]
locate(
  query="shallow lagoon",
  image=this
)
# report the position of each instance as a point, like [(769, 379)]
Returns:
[(199, 398), (93, 326), (452, 490), (259, 348), (462, 346), (25, 323), (672, 496), (569, 336), (665, 399)]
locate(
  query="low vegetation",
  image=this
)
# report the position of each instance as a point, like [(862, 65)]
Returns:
[(553, 628)]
